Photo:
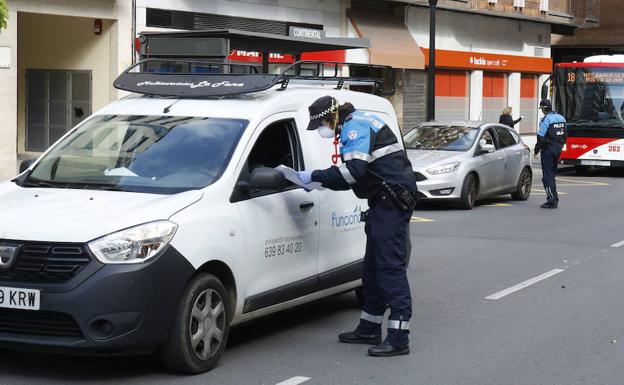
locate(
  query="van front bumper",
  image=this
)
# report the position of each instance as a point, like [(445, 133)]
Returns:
[(117, 309)]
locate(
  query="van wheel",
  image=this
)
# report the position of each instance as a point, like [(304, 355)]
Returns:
[(469, 193), (200, 329), (523, 190)]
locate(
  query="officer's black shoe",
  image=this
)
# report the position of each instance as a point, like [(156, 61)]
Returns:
[(387, 350), (549, 205), (355, 337)]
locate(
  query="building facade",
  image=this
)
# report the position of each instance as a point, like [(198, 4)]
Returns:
[(58, 58), (606, 39), (490, 54)]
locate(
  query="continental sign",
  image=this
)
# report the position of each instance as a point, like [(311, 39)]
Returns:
[(487, 61)]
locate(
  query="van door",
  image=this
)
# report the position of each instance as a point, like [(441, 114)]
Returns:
[(342, 238), (281, 232)]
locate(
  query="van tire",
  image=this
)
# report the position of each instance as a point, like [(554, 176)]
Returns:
[(523, 189), (469, 193), (178, 353)]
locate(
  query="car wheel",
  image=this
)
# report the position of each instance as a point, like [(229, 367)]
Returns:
[(523, 190), (200, 329), (469, 193)]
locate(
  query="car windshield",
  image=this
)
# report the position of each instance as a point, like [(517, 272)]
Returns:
[(443, 138), (153, 154)]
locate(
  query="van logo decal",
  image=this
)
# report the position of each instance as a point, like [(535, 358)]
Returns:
[(8, 255)]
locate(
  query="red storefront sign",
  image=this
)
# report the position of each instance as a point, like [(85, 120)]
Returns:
[(255, 57)]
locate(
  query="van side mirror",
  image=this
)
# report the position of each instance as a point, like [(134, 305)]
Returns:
[(266, 178), (25, 164)]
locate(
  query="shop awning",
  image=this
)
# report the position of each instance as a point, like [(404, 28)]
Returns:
[(391, 42)]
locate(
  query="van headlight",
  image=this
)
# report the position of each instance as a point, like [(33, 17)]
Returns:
[(134, 245), (444, 169)]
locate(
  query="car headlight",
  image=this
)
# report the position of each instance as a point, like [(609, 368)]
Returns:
[(134, 245), (444, 169)]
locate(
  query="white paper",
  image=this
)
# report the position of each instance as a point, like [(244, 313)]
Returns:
[(121, 171), (291, 175)]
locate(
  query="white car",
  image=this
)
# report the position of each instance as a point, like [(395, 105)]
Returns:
[(159, 222)]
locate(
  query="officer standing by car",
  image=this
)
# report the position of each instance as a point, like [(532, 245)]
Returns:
[(551, 137), (376, 167)]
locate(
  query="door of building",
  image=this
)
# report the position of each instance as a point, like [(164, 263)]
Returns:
[(494, 95), (56, 100), (528, 104)]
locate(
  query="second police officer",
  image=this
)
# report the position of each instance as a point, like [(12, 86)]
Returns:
[(551, 137), (375, 167)]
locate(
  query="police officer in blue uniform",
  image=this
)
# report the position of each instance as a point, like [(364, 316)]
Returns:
[(551, 137), (375, 167)]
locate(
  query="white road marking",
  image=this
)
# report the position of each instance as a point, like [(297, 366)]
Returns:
[(523, 285), (619, 244), (294, 380)]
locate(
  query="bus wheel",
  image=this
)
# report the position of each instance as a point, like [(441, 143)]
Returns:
[(200, 329)]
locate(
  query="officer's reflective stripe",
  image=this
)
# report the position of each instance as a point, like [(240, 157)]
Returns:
[(346, 174), (398, 325), (357, 155), (376, 319), (392, 148)]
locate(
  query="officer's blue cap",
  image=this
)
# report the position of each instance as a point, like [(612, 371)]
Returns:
[(321, 108), (545, 103)]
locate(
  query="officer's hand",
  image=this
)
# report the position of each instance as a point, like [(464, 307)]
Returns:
[(305, 176), (534, 156)]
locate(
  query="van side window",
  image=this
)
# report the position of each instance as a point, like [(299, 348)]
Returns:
[(278, 144)]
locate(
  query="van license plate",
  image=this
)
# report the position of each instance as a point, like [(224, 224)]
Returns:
[(14, 298), (595, 163)]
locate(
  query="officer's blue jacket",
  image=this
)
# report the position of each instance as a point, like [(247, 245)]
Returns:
[(368, 149), (552, 132)]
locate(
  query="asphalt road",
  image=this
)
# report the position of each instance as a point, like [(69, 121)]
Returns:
[(565, 329)]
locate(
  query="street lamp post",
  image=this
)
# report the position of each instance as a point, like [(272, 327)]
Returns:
[(431, 69)]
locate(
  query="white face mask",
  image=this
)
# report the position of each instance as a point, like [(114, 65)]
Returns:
[(325, 132)]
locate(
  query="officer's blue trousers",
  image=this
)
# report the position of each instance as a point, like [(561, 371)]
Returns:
[(550, 158), (384, 274)]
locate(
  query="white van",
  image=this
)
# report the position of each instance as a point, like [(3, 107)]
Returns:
[(159, 222)]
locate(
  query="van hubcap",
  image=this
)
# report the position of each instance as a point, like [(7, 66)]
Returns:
[(207, 324)]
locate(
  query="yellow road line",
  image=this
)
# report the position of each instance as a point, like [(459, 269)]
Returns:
[(581, 182), (420, 220), (497, 205)]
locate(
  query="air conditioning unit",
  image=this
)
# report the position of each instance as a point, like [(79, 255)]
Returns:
[(544, 5), (519, 3)]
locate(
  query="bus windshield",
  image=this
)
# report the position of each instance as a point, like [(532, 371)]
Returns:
[(591, 97)]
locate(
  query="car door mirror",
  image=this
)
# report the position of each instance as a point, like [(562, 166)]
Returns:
[(265, 178), (25, 164), (486, 148)]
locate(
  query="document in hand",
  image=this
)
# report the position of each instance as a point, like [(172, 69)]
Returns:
[(291, 175)]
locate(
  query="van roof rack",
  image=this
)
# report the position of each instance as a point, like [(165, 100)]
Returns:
[(206, 79)]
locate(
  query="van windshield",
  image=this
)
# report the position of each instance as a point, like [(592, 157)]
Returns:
[(152, 154)]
